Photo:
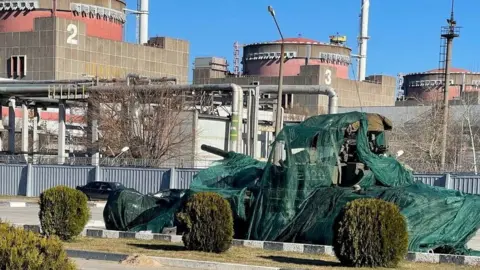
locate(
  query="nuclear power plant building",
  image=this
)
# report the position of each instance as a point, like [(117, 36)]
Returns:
[(307, 62), (78, 39)]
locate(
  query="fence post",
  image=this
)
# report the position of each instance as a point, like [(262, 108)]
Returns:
[(97, 173), (28, 188), (448, 181), (173, 178)]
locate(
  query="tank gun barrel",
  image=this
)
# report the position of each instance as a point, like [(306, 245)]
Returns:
[(214, 150)]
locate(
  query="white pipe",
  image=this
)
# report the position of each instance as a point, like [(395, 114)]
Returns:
[(62, 132), (308, 90), (237, 102), (362, 63), (237, 119), (333, 104), (143, 21), (1, 127), (11, 126), (24, 128)]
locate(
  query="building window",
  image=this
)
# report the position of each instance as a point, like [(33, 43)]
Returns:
[(17, 66)]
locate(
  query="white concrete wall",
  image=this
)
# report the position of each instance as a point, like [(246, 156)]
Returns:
[(212, 132)]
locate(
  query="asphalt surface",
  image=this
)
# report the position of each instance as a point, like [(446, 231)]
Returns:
[(474, 243), (106, 265), (29, 215)]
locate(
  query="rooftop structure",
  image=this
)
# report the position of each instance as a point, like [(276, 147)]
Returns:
[(81, 39), (428, 86), (307, 62), (259, 59)]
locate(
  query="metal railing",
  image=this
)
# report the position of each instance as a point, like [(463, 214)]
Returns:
[(105, 162)]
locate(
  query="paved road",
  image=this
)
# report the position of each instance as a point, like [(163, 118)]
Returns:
[(29, 215), (105, 265), (474, 243)]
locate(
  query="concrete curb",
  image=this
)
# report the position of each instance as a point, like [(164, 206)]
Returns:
[(91, 225), (170, 262), (266, 245), (18, 204), (34, 204)]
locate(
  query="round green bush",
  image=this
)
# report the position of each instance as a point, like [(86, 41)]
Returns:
[(370, 233), (207, 222), (20, 249), (64, 212)]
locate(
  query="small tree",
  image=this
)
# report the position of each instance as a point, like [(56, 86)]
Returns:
[(20, 249), (420, 137), (64, 212), (154, 124), (207, 221), (370, 233)]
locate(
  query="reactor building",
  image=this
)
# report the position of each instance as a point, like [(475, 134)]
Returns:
[(306, 62), (428, 87), (74, 39)]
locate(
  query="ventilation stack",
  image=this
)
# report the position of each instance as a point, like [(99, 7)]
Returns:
[(143, 21)]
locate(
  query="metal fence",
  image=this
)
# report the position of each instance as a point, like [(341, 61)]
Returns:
[(466, 183), (30, 180)]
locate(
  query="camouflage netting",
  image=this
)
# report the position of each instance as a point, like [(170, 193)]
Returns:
[(298, 198)]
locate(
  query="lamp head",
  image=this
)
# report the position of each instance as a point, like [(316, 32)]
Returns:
[(272, 12)]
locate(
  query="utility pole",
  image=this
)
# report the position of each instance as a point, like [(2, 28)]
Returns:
[(449, 33), (279, 118)]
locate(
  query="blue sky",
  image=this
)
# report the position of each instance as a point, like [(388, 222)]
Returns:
[(405, 35)]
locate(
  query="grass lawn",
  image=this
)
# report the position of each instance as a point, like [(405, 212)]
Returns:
[(239, 255)]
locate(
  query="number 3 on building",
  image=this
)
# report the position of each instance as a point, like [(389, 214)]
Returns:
[(328, 77), (73, 31)]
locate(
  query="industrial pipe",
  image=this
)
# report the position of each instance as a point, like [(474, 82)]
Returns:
[(82, 81), (307, 90), (136, 76), (164, 79), (363, 39), (50, 101), (237, 102), (46, 81), (143, 21), (24, 90)]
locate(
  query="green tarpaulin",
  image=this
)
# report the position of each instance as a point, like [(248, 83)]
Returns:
[(296, 200)]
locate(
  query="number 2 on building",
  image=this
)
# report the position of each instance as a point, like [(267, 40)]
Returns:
[(73, 31)]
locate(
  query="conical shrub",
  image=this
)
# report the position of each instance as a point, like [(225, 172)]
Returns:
[(207, 222), (370, 233)]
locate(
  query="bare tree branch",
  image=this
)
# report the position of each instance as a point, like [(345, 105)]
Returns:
[(153, 124)]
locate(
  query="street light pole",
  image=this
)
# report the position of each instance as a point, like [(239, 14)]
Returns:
[(279, 118)]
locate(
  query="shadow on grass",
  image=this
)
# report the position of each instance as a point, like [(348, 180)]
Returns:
[(158, 247), (310, 262)]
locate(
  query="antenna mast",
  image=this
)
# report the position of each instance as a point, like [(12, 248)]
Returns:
[(449, 33)]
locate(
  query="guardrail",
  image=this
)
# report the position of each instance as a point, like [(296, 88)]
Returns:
[(105, 161)]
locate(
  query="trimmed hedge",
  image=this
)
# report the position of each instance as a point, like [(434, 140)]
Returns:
[(370, 233), (64, 212), (20, 249), (207, 222)]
